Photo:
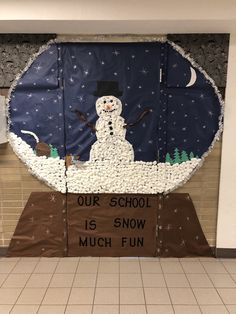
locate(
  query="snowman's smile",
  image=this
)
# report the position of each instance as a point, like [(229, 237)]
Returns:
[(109, 111)]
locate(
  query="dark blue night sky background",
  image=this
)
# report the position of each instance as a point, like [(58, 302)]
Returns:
[(64, 78)]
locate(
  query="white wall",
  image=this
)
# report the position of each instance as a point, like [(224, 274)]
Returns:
[(226, 228), (117, 16)]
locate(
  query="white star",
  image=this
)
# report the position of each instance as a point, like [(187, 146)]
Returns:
[(52, 70), (82, 86), (116, 53), (90, 53), (115, 73), (202, 96), (210, 113), (86, 72), (172, 138), (203, 126), (139, 106), (52, 198), (102, 62), (72, 57), (69, 126), (150, 141), (144, 71), (15, 109), (81, 98), (75, 67), (38, 68), (55, 100), (27, 112), (50, 134), (71, 79), (36, 110), (50, 117), (128, 87), (42, 98), (174, 65), (133, 56), (140, 87), (172, 112), (146, 50), (184, 129), (144, 125), (29, 95), (185, 115), (60, 114)]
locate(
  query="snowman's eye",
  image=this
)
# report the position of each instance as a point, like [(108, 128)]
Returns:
[(111, 100), (104, 102)]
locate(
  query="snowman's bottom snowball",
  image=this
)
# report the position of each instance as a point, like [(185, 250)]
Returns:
[(113, 150), (133, 177)]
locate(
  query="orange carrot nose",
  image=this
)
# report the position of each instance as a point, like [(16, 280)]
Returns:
[(108, 107)]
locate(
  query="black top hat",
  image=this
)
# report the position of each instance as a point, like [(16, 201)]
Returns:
[(106, 88)]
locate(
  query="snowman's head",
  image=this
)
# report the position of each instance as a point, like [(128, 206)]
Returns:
[(108, 105)]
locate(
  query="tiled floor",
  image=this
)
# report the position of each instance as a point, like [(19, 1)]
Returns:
[(117, 285)]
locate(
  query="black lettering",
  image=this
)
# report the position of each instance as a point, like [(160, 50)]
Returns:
[(141, 202), (135, 203), (96, 201), (117, 223), (148, 205), (140, 242), (80, 201), (91, 224), (132, 223), (125, 223), (83, 242), (113, 202), (141, 223), (123, 241), (120, 202)]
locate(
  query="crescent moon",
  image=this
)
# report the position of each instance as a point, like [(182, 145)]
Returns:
[(193, 77)]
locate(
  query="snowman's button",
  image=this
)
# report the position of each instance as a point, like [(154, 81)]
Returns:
[(111, 133), (109, 122), (111, 128)]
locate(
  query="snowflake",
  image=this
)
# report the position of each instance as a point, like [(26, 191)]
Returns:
[(50, 117), (86, 72), (144, 71), (29, 95), (52, 198), (38, 68), (71, 79), (116, 53)]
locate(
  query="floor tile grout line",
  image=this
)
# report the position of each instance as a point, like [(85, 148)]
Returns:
[(214, 285), (167, 288), (119, 286), (140, 267), (48, 285), (8, 274), (72, 284), (95, 285), (228, 272), (191, 286), (25, 284)]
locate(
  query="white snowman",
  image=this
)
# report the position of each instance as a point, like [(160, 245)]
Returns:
[(111, 144)]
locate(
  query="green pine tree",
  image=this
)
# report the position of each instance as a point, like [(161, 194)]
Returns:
[(169, 159), (54, 152), (177, 159), (184, 156), (191, 155)]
